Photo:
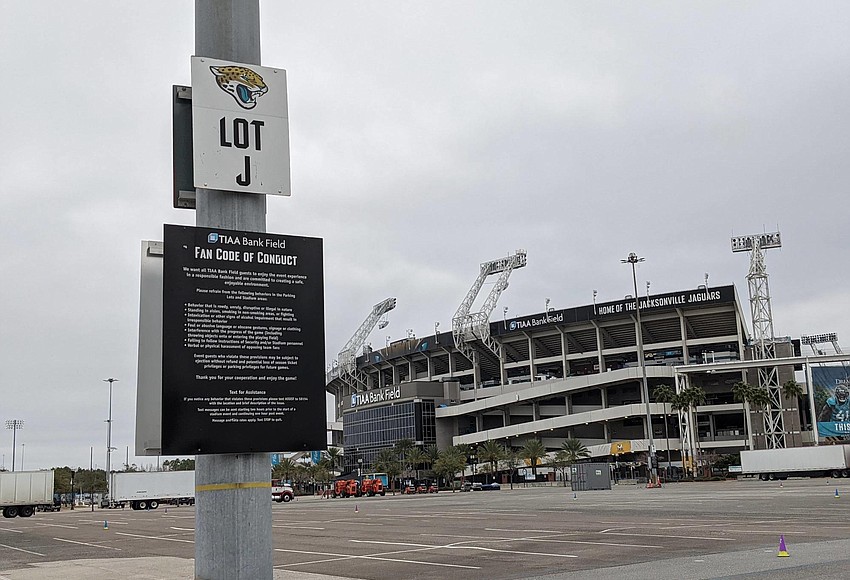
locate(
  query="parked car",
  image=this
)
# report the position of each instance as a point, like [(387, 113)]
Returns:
[(491, 487)]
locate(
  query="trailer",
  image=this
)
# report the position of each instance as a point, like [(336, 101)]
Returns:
[(22, 493), (819, 461), (146, 490)]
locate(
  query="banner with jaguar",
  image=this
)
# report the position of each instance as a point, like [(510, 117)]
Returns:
[(832, 401)]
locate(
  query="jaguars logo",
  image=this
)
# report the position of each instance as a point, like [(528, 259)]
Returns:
[(241, 83)]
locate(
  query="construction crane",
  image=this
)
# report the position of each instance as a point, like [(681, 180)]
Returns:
[(469, 326), (763, 337), (347, 357)]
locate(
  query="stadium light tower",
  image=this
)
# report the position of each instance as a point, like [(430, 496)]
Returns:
[(653, 462), (14, 425)]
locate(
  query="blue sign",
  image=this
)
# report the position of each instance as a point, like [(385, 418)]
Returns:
[(316, 457)]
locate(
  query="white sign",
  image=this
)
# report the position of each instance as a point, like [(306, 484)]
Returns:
[(240, 127)]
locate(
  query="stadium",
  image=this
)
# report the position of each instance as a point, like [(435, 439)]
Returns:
[(569, 373)]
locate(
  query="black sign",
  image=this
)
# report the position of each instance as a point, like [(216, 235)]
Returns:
[(243, 342), (618, 308)]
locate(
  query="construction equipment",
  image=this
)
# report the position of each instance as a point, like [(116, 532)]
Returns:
[(372, 487)]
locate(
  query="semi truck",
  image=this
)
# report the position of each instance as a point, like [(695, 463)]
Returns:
[(146, 490), (22, 493), (819, 461)]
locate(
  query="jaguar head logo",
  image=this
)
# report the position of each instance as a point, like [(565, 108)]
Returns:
[(243, 84)]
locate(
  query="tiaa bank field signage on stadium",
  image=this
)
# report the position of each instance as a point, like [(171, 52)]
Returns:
[(240, 127), (386, 395)]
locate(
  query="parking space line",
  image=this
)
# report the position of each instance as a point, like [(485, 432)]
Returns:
[(87, 544), (291, 527), (541, 539), (182, 529), (57, 526), (21, 550), (10, 530), (670, 536), (462, 546), (372, 557), (163, 538)]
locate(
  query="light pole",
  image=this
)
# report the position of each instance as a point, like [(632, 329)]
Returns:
[(14, 425), (547, 310), (23, 454), (633, 259), (109, 443)]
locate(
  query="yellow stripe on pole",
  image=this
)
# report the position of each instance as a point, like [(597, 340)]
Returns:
[(228, 486)]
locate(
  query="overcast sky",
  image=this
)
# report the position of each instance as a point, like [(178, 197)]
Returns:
[(427, 137)]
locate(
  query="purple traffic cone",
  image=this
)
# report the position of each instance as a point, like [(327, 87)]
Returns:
[(783, 552)]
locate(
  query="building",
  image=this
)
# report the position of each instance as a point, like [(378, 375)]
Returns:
[(561, 374)]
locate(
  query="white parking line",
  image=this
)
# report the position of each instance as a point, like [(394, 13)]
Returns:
[(58, 526), (156, 538), (183, 529), (290, 527), (11, 530), (671, 536), (335, 557), (87, 544), (20, 550), (461, 546), (553, 540)]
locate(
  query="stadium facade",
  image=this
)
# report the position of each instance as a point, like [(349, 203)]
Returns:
[(566, 373)]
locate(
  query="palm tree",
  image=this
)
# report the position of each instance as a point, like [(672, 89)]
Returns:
[(760, 399), (693, 397), (285, 469), (491, 452), (449, 462), (743, 392), (416, 457), (572, 450), (403, 447), (792, 390), (387, 461), (511, 459), (467, 451), (335, 456), (533, 450), (664, 394)]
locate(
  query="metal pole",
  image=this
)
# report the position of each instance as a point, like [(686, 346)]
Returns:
[(14, 446), (109, 443), (91, 476), (633, 259), (233, 531)]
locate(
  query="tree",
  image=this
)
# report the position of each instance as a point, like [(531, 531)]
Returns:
[(448, 463), (491, 452), (511, 459), (178, 465), (403, 447), (572, 450), (792, 390), (467, 451), (534, 451), (416, 457), (335, 456), (387, 461), (286, 469), (665, 394), (690, 398), (743, 393)]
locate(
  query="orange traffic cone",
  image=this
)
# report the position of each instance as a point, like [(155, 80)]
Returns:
[(783, 552)]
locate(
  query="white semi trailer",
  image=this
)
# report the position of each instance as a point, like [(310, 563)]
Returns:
[(819, 461), (146, 490), (22, 493)]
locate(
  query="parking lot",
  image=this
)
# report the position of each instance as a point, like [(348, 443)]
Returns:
[(694, 530)]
